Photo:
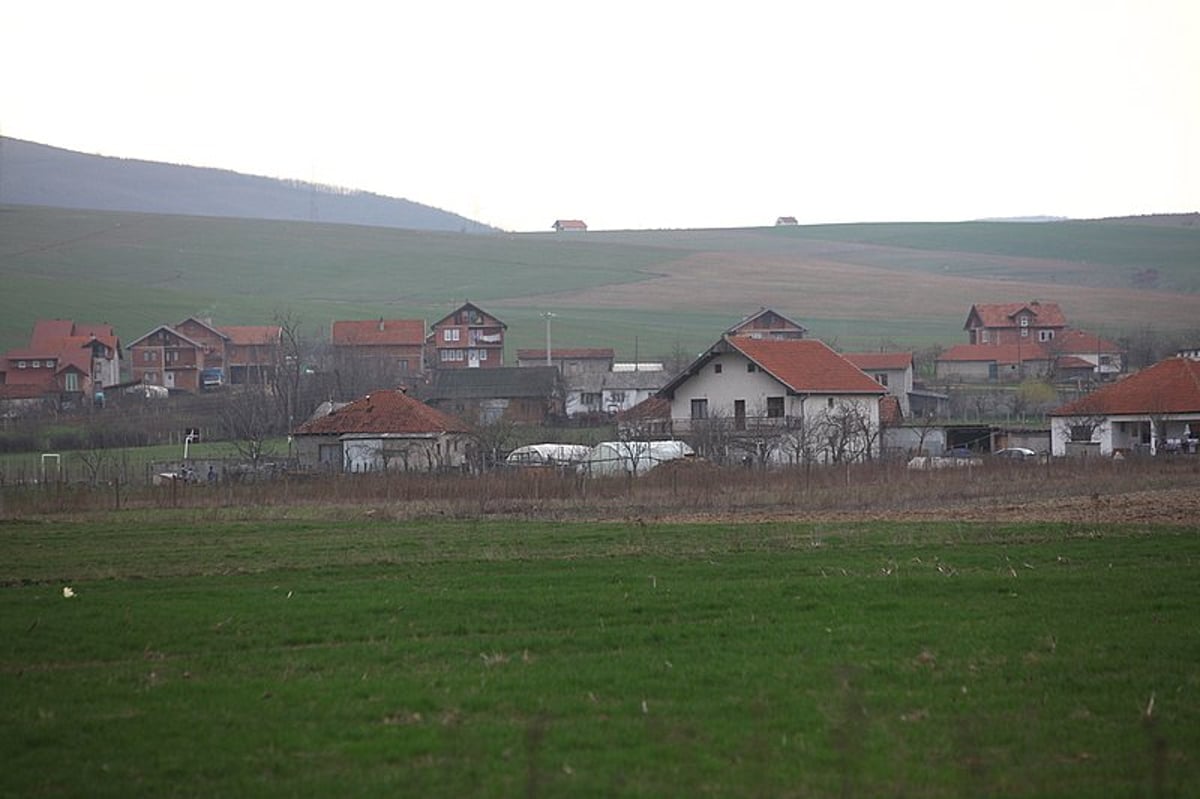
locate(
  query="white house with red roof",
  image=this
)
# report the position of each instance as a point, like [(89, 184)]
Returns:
[(569, 226), (795, 386), (384, 430), (1155, 410), (892, 370)]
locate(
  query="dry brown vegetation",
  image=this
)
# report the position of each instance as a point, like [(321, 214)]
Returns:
[(1135, 491)]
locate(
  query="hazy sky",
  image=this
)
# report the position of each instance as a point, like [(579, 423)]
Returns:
[(637, 114)]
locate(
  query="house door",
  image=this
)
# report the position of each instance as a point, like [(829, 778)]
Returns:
[(472, 359), (169, 379)]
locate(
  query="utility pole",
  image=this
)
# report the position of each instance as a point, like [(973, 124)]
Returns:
[(548, 316)]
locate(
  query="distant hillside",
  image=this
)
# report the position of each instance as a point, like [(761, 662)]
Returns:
[(35, 174), (646, 294)]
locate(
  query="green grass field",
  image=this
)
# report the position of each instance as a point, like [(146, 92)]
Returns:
[(208, 656), (636, 291)]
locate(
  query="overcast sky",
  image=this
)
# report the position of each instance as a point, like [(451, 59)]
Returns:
[(637, 114)]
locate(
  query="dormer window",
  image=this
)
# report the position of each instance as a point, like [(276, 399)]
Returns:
[(1024, 321), (717, 368), (36, 364)]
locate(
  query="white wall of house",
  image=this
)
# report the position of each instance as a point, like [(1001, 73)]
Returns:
[(721, 389), (403, 453), (1128, 433)]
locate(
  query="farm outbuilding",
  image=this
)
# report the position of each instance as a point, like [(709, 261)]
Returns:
[(631, 457)]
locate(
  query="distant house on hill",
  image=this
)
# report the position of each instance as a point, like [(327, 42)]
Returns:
[(786, 221), (768, 324), (569, 226), (385, 430)]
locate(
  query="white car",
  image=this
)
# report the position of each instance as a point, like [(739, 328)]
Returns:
[(1015, 453)]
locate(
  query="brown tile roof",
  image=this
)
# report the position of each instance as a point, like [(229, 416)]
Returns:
[(879, 360), (559, 354), (48, 332), (649, 408), (806, 365), (1047, 314), (246, 335), (1082, 341), (383, 412), (357, 332), (1170, 386), (1000, 353)]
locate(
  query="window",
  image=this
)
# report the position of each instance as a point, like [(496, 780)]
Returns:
[(881, 377), (751, 367), (50, 364), (147, 356), (1024, 332), (36, 364), (829, 402), (71, 382), (1024, 321), (590, 399), (616, 396), (717, 369), (451, 334), (774, 407), (1045, 335), (983, 337), (21, 364), (700, 409), (172, 357), (483, 355), (451, 355)]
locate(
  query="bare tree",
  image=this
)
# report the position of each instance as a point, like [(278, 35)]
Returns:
[(250, 417), (847, 433), (491, 437)]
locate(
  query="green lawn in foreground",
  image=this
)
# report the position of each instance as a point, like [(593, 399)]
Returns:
[(208, 657)]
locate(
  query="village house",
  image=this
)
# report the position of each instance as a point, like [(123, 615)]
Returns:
[(801, 387), (768, 324), (1081, 354), (993, 362), (1012, 323), (521, 395), (892, 370), (569, 226), (64, 360), (196, 354), (570, 361), (384, 431), (786, 221), (1156, 410), (466, 338), (607, 393), (389, 345)]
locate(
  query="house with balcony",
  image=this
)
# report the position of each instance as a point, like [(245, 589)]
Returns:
[(466, 338), (801, 389)]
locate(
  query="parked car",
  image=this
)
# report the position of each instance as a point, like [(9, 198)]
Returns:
[(1015, 453)]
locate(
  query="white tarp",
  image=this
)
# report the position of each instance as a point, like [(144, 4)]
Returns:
[(631, 457), (547, 455)]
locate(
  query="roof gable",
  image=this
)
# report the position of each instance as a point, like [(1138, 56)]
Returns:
[(765, 319), (167, 329), (191, 320), (383, 412), (1170, 386), (485, 317)]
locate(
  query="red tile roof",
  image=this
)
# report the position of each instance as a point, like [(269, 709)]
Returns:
[(569, 224), (247, 335), (1170, 386), (1082, 341), (357, 332), (1000, 353), (48, 332), (559, 354), (1047, 314), (383, 412), (806, 365), (649, 408), (879, 360)]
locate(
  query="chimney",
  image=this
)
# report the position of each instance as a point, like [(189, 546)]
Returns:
[(381, 324)]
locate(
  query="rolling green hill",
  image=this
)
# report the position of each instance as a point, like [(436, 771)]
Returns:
[(855, 285)]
